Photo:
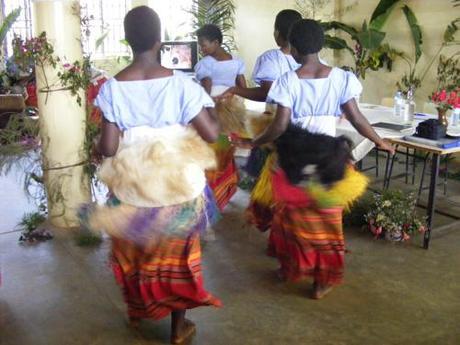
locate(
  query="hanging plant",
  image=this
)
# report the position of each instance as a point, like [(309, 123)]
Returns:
[(74, 77)]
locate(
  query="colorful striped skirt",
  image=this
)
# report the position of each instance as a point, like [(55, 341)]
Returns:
[(309, 242), (162, 279), (223, 180), (305, 222), (156, 256)]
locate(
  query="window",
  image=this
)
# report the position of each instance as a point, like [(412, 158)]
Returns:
[(22, 26), (104, 18), (176, 21)]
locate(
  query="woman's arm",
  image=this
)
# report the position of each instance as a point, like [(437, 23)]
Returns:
[(276, 128), (207, 84), (206, 125), (241, 81), (258, 94), (110, 137), (357, 119)]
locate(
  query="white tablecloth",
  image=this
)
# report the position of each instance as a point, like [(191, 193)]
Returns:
[(374, 114)]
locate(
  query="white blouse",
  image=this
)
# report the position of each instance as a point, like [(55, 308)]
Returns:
[(315, 103), (222, 73), (154, 103)]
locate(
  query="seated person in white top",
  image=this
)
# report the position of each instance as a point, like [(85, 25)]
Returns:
[(218, 70)]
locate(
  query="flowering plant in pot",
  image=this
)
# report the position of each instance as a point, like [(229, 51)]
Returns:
[(447, 93), (444, 100), (392, 216)]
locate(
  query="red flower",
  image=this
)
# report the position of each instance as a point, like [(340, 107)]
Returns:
[(443, 95)]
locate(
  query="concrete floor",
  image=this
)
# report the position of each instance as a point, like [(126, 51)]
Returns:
[(55, 293)]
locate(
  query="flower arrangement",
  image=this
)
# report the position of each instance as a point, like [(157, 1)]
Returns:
[(446, 100), (392, 215), (447, 94)]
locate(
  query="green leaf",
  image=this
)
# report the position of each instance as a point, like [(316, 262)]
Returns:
[(451, 30), (332, 42), (218, 12), (381, 13), (100, 40), (334, 25), (415, 30), (370, 38), (6, 25)]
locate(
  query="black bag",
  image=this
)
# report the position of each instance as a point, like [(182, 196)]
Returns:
[(431, 129)]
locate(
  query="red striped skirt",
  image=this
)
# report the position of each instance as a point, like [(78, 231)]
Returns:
[(224, 180), (307, 240), (309, 243), (164, 278)]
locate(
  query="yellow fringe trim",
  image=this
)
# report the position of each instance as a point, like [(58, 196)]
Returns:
[(342, 194), (263, 190)]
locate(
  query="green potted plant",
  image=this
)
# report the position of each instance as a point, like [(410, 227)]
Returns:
[(218, 12), (392, 215), (368, 50)]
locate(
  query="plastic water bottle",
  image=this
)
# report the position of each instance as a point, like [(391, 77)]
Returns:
[(408, 108), (455, 117), (397, 104)]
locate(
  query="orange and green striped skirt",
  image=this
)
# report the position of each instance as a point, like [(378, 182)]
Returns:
[(165, 278), (224, 179), (305, 222)]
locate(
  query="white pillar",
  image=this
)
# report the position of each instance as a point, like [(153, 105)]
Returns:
[(62, 120)]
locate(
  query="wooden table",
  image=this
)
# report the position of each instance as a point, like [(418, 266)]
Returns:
[(436, 153)]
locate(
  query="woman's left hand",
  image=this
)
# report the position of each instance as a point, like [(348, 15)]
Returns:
[(384, 145)]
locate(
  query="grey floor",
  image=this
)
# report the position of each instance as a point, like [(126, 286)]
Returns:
[(56, 293)]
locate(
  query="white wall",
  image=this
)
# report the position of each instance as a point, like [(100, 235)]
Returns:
[(254, 27)]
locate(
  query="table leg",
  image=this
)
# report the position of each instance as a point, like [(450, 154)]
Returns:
[(431, 199), (377, 162), (407, 166), (389, 170), (422, 178)]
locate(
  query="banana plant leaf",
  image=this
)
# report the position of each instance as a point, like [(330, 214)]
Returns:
[(381, 13), (336, 43), (334, 25), (6, 25), (370, 38), (415, 30)]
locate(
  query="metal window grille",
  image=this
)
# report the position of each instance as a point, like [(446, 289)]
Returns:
[(104, 17)]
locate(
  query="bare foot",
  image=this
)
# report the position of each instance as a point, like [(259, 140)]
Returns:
[(187, 330), (134, 322), (280, 274), (319, 291)]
